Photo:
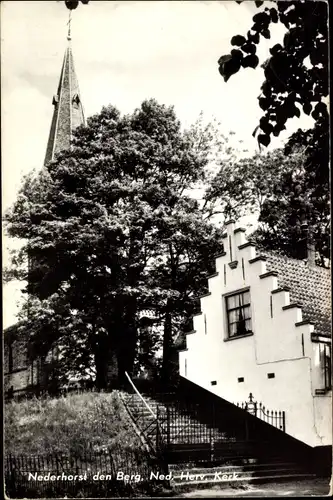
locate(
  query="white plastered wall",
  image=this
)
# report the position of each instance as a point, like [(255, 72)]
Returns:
[(277, 346)]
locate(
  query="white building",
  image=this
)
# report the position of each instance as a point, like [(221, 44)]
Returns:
[(264, 328)]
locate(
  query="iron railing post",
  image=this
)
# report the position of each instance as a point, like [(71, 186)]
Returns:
[(157, 430), (168, 423)]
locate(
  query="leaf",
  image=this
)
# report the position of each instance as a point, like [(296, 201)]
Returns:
[(224, 59), (264, 139), (263, 103), (71, 4), (266, 34), (229, 67), (249, 48), (253, 37), (266, 89), (238, 40), (277, 48), (250, 61), (265, 125), (287, 40), (274, 15), (261, 18), (255, 131), (237, 54), (320, 109)]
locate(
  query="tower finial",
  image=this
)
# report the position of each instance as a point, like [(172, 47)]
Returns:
[(69, 26)]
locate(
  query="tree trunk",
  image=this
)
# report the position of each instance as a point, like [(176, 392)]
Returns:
[(101, 355), (166, 374), (127, 345)]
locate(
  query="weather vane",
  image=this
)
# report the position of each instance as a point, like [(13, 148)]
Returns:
[(69, 26)]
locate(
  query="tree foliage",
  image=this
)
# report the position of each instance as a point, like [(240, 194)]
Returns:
[(296, 74), (115, 241), (288, 190), (299, 201)]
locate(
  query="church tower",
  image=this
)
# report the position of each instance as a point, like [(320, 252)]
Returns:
[(68, 111), (22, 375)]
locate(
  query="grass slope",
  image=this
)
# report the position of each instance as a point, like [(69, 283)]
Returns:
[(71, 425)]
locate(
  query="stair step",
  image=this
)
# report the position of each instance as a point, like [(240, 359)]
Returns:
[(240, 462)]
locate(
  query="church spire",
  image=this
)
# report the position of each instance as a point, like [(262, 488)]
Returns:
[(68, 111)]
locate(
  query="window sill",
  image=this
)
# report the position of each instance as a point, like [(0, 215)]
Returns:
[(322, 392), (236, 337)]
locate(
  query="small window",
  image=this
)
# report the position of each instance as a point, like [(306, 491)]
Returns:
[(213, 382), (76, 99), (270, 375), (241, 379), (239, 314)]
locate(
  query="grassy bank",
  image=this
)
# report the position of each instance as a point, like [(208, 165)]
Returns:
[(69, 425)]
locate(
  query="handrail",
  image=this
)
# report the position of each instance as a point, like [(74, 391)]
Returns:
[(137, 392)]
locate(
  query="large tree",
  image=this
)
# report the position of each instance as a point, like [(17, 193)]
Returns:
[(288, 190), (113, 235), (296, 215), (296, 75), (295, 81)]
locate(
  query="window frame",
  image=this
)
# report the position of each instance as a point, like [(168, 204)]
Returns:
[(227, 312)]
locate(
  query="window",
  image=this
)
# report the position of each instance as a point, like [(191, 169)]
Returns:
[(239, 314), (327, 366), (18, 355), (76, 99)]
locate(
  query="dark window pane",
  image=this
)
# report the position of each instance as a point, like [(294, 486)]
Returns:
[(239, 314)]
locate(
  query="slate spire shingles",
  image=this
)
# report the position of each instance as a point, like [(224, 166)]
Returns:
[(68, 111)]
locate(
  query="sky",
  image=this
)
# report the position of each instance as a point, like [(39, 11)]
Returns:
[(124, 52)]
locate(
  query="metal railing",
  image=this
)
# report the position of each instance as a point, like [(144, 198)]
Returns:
[(146, 420), (78, 476), (272, 417)]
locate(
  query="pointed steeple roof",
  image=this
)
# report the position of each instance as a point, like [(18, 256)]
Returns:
[(68, 111)]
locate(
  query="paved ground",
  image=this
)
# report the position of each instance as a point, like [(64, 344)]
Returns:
[(311, 487)]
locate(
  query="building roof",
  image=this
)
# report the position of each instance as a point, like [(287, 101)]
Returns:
[(68, 111), (309, 286), (14, 332)]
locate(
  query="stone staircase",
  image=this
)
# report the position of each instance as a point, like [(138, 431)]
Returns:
[(240, 464), (177, 428)]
